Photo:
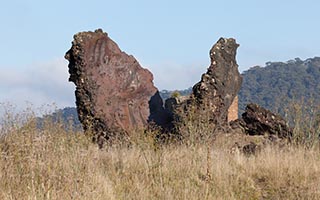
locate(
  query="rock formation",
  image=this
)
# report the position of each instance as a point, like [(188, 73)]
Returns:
[(214, 101), (260, 121), (114, 94), (221, 84), (214, 93), (256, 129)]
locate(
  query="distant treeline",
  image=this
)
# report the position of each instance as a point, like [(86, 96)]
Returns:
[(278, 84)]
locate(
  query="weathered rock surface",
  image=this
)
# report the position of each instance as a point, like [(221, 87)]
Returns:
[(259, 121), (221, 84), (114, 94), (212, 98), (214, 93)]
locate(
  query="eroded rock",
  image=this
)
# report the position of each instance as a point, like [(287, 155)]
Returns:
[(259, 121), (114, 94), (221, 84), (214, 93)]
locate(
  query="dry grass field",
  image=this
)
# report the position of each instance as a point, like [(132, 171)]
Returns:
[(56, 164)]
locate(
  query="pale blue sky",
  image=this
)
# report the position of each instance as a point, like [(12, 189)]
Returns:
[(170, 38)]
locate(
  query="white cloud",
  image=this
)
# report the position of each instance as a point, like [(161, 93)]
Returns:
[(39, 84)]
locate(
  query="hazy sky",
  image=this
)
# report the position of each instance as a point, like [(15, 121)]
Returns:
[(170, 38)]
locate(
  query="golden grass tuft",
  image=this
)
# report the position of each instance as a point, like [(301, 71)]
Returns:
[(55, 164)]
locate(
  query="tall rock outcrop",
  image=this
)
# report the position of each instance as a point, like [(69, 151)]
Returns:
[(221, 83), (114, 94), (214, 93)]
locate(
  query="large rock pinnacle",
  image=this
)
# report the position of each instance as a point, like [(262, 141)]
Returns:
[(222, 81), (113, 91), (214, 93)]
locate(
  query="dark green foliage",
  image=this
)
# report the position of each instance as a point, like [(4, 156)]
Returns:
[(278, 83)]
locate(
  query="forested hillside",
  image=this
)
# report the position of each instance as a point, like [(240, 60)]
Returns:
[(279, 83)]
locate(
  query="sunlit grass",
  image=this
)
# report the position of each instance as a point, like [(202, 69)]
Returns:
[(56, 164)]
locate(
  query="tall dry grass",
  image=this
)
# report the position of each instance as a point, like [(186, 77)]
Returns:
[(56, 164)]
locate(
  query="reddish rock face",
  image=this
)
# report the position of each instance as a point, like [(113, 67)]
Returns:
[(113, 91)]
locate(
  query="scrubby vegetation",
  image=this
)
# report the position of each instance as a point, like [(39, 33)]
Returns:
[(54, 163)]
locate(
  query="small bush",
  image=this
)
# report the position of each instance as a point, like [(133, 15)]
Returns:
[(175, 94)]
